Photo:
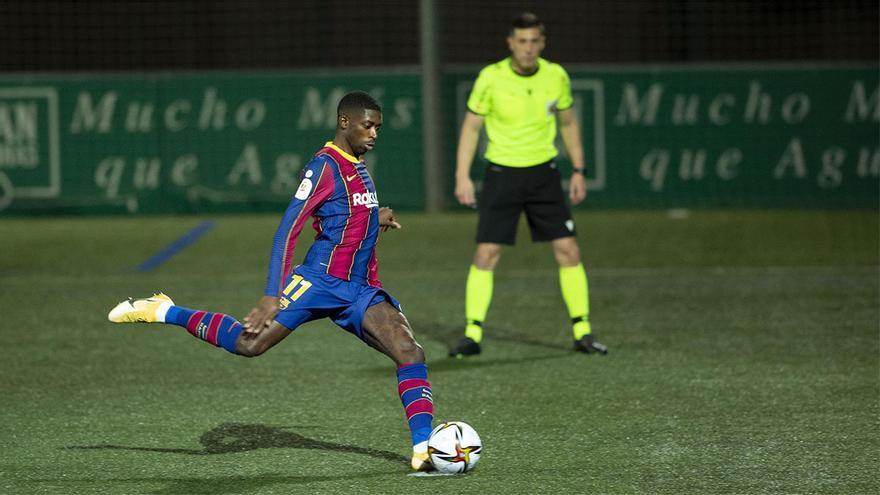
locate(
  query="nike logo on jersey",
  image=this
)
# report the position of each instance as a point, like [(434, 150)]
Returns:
[(367, 199), (350, 177)]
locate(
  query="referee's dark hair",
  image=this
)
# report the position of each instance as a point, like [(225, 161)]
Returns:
[(357, 101), (527, 20)]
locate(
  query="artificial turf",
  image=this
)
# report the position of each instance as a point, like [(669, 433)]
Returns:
[(744, 358)]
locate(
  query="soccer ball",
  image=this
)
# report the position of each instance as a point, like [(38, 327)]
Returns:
[(454, 447)]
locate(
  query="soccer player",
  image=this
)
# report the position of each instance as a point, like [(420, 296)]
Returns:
[(337, 278), (519, 99)]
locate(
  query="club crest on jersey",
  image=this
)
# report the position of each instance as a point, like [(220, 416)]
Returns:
[(367, 199)]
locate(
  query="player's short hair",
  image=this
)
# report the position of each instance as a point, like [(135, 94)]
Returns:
[(526, 20), (357, 101)]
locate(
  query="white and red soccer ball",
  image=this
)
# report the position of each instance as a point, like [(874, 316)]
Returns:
[(454, 447)]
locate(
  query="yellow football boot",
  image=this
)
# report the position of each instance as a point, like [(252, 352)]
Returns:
[(421, 461), (139, 310)]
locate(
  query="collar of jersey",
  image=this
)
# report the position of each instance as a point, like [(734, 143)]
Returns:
[(509, 61), (345, 155)]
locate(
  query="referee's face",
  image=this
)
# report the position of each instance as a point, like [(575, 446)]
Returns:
[(525, 48), (362, 129)]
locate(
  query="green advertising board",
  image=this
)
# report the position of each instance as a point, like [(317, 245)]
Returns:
[(766, 136), (161, 143), (726, 136)]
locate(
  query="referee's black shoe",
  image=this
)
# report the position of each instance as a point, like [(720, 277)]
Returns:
[(465, 347), (587, 345)]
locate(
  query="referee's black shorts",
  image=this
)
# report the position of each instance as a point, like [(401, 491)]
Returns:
[(508, 191)]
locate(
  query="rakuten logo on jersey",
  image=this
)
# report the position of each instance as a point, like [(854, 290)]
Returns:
[(367, 199)]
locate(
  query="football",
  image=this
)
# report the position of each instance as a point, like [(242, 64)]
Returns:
[(454, 447)]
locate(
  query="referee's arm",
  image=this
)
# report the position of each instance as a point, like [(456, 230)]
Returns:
[(467, 146), (571, 136)]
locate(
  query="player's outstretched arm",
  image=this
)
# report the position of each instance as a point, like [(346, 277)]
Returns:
[(262, 315), (387, 220), (315, 188)]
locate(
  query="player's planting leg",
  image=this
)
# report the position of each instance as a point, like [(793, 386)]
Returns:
[(418, 404), (387, 330)]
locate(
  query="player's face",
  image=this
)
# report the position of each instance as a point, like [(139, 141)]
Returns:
[(525, 47), (362, 131)]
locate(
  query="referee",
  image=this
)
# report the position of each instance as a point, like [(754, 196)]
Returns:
[(519, 100)]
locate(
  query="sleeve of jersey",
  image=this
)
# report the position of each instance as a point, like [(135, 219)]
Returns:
[(314, 189), (565, 100), (480, 100)]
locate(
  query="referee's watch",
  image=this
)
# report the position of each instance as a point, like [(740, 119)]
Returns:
[(577, 170)]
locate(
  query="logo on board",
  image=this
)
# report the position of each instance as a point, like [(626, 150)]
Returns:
[(29, 152)]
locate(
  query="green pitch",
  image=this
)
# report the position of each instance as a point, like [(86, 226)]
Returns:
[(743, 359)]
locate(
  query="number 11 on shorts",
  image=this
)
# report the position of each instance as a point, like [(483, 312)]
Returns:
[(303, 286)]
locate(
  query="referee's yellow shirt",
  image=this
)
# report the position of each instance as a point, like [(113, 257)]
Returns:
[(520, 111)]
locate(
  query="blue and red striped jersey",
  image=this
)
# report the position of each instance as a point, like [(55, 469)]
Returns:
[(339, 194)]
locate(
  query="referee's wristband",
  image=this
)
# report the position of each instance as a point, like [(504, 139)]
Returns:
[(577, 170)]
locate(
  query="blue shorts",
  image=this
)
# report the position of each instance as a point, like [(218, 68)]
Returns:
[(310, 295)]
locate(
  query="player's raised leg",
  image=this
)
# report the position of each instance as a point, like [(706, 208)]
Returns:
[(147, 310), (218, 329), (387, 330)]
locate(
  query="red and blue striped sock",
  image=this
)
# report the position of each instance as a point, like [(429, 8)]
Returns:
[(214, 328), (418, 402)]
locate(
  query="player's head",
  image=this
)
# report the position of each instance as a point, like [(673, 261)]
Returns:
[(358, 119), (526, 40)]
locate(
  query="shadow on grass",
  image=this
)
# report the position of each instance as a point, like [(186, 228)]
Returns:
[(229, 438), (448, 335), (470, 363), (521, 339), (434, 331), (461, 364)]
